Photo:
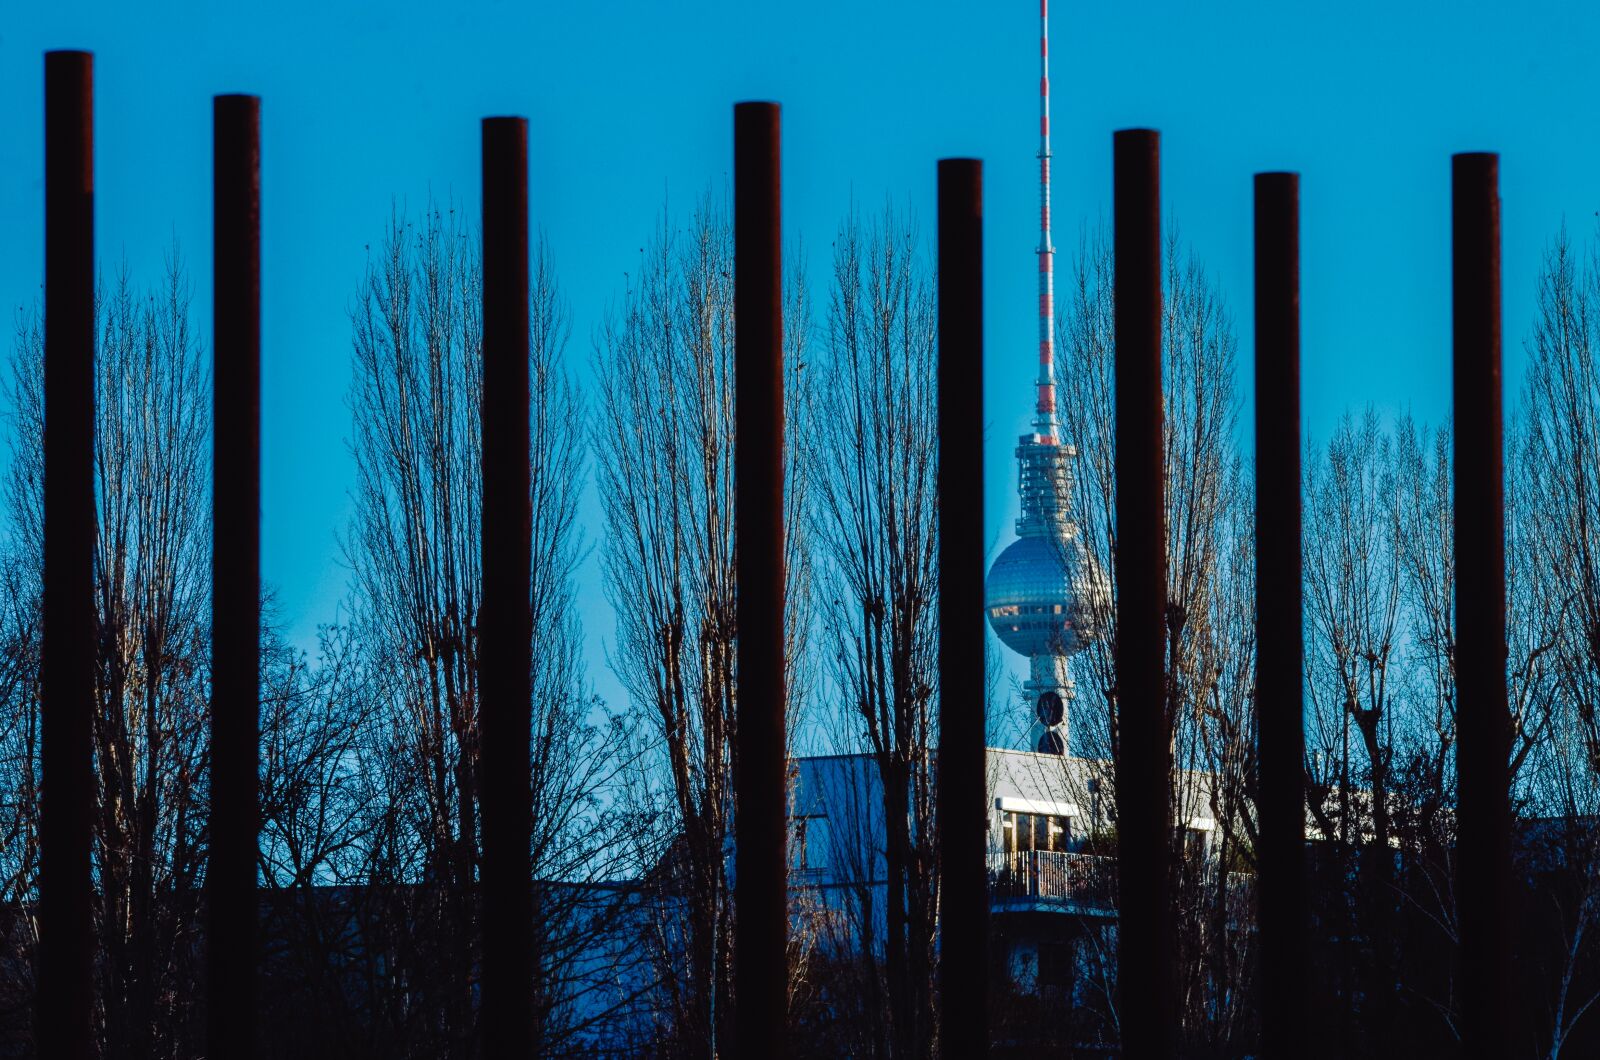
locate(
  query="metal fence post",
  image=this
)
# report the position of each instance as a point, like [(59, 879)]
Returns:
[(1280, 718), (760, 817), (1483, 844), (1144, 827), (64, 1025), (963, 765), (505, 628), (231, 937)]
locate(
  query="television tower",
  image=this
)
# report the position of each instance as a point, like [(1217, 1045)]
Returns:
[(1034, 596)]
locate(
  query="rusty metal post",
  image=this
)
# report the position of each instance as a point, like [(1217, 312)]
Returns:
[(1483, 845), (1145, 979), (505, 627), (64, 1026), (231, 933), (1280, 717), (963, 766), (761, 813)]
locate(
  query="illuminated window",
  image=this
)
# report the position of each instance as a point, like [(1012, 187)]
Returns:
[(1036, 831)]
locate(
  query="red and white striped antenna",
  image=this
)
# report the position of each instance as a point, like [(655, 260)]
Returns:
[(1044, 421)]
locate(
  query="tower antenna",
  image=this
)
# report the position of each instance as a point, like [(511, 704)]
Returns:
[(1045, 410)]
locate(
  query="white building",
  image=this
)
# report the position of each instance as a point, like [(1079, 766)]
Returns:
[(1052, 869)]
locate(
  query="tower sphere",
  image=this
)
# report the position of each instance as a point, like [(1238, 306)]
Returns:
[(1034, 596)]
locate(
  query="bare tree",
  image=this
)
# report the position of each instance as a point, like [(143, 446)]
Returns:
[(872, 440), (1353, 595), (19, 792), (1210, 651), (1554, 524), (152, 723), (413, 547), (1219, 994), (664, 449), (1561, 447), (151, 590), (1355, 690)]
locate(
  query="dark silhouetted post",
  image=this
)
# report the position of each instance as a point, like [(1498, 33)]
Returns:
[(66, 993), (1483, 845), (963, 768), (231, 946), (1280, 722), (1145, 981), (761, 813), (505, 626)]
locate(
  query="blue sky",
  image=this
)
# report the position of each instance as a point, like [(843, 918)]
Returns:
[(365, 104)]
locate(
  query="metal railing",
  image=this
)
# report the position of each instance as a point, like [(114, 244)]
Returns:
[(1083, 879), (1148, 1013), (1086, 879)]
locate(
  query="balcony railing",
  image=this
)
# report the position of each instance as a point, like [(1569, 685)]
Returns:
[(1088, 880), (1051, 875)]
